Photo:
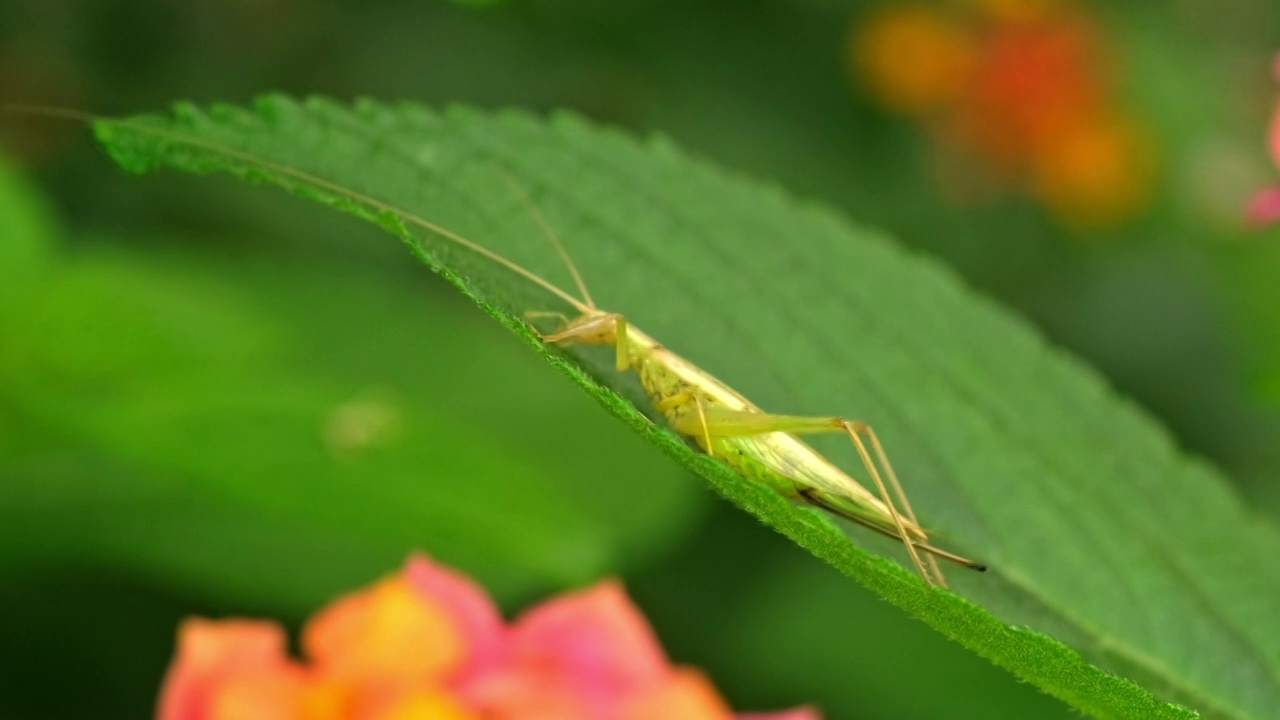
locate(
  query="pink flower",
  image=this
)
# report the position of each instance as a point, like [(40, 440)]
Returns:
[(429, 644), (1264, 206)]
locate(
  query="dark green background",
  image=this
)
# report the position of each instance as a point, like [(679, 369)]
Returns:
[(171, 348)]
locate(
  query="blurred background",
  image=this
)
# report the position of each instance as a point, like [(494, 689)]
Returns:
[(221, 400)]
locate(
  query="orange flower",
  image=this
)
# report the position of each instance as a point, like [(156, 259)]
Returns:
[(231, 669), (1096, 172), (428, 644), (916, 60)]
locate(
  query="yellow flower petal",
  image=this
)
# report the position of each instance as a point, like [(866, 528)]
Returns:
[(388, 634), (427, 705)]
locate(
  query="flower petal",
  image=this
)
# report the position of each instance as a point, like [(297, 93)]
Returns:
[(594, 643), (260, 696), (427, 705), (384, 637), (801, 713), (473, 613), (1095, 172), (220, 664), (916, 59), (1273, 135), (517, 696), (1264, 207), (685, 695)]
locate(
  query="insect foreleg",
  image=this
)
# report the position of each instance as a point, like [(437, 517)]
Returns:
[(593, 328), (562, 320)]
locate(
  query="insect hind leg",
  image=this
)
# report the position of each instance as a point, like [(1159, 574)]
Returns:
[(823, 500), (852, 428), (856, 428), (723, 422)]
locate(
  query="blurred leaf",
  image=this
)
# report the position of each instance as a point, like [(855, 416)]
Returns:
[(67, 505), (26, 233), (1249, 272), (1099, 532), (215, 421), (113, 637)]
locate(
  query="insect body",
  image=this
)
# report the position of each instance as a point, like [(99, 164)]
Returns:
[(761, 446)]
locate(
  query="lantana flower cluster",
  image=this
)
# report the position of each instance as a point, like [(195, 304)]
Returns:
[(1016, 92), (427, 643)]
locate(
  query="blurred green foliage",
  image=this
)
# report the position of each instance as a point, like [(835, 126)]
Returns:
[(140, 314)]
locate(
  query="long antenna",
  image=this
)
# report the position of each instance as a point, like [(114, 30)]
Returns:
[(306, 177), (520, 192)]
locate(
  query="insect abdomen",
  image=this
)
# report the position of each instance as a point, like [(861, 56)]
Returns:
[(737, 453)]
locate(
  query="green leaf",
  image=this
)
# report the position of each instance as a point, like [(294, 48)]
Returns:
[(26, 233), (1113, 556)]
